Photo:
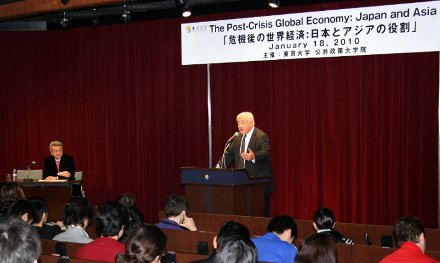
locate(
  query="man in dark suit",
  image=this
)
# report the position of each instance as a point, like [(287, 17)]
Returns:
[(58, 165), (250, 150)]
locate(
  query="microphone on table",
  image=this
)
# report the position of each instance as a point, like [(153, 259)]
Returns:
[(29, 170), (222, 163), (31, 164)]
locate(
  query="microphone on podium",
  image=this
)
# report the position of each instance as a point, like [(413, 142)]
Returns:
[(232, 137), (222, 163)]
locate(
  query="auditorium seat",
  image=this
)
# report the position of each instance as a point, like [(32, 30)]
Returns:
[(433, 254), (48, 246), (375, 232), (355, 232), (432, 239), (186, 257), (189, 242), (344, 253), (369, 254), (56, 259)]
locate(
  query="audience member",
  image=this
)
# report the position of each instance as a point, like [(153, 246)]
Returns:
[(135, 216), (45, 231), (277, 244), (324, 223), (127, 199), (237, 250), (147, 244), (19, 242), (9, 193), (110, 221), (230, 228), (176, 209), (78, 213), (23, 210), (410, 235), (317, 248)]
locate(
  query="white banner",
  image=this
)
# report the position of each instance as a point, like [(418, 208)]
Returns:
[(403, 28)]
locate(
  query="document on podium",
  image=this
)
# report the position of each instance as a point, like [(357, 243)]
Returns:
[(53, 181)]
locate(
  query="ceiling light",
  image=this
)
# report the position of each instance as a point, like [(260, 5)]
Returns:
[(95, 19), (184, 7), (64, 23), (274, 3), (126, 16)]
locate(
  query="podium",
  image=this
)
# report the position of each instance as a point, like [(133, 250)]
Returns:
[(55, 193), (224, 191)]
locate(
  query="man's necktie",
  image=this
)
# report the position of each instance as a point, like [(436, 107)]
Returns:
[(242, 150), (58, 165)]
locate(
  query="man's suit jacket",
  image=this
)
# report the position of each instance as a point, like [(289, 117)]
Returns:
[(66, 164), (259, 144)]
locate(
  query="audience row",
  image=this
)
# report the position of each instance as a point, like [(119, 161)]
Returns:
[(123, 236)]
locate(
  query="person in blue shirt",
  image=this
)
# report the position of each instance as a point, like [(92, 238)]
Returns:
[(277, 244), (176, 210)]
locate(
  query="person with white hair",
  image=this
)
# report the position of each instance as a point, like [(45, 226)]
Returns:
[(250, 150)]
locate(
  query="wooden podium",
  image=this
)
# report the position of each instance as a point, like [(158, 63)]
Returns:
[(224, 191), (55, 193)]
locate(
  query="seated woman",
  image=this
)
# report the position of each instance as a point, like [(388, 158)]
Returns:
[(146, 245), (78, 214), (317, 248)]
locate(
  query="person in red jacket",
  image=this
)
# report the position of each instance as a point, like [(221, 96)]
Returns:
[(410, 235), (110, 221)]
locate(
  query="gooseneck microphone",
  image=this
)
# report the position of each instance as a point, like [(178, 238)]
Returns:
[(228, 143), (232, 137), (33, 163), (29, 170)]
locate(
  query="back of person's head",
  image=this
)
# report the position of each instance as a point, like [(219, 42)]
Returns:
[(324, 218), (145, 245), (408, 229), (135, 220), (175, 204), (110, 219), (22, 209), (279, 224), (11, 192), (126, 199), (237, 250), (77, 210), (19, 242), (231, 228), (317, 248), (40, 207)]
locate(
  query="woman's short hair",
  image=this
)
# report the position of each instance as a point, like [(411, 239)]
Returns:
[(324, 218), (77, 209), (317, 248), (144, 245)]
